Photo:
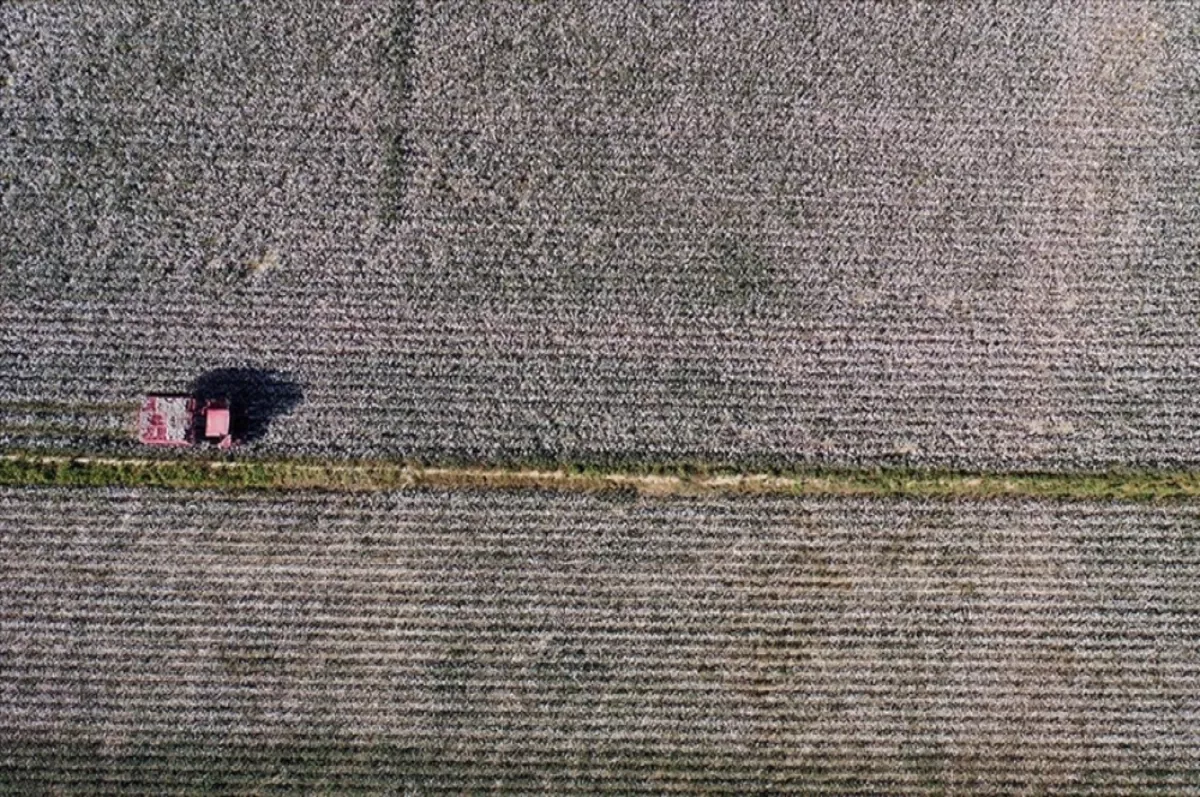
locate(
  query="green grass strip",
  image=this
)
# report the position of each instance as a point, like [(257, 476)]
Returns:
[(68, 471)]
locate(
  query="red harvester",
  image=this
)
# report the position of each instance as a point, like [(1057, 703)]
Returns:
[(174, 420)]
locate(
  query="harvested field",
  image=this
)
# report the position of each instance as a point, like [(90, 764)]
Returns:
[(926, 234), (472, 641)]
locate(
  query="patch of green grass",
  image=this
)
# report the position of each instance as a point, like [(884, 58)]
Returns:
[(671, 479)]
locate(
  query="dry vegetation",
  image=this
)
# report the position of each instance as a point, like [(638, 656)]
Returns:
[(473, 641), (925, 234)]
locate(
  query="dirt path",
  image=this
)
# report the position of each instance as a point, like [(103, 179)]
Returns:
[(31, 469)]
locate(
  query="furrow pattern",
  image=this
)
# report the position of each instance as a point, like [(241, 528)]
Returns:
[(931, 235), (464, 641)]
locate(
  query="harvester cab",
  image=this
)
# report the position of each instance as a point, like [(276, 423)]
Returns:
[(184, 421)]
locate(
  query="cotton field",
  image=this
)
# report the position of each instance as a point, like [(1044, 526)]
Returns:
[(897, 234), (748, 234), (477, 641)]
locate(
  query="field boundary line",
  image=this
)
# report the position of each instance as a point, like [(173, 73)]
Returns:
[(64, 470)]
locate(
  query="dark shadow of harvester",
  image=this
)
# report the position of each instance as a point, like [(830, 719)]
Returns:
[(256, 397)]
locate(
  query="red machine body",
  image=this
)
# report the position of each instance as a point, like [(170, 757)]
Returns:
[(178, 420)]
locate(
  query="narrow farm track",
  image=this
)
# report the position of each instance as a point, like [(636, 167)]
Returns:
[(34, 469)]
